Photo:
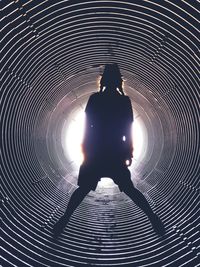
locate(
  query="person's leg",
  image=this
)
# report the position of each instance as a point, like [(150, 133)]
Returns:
[(143, 204), (126, 185), (139, 199), (75, 200)]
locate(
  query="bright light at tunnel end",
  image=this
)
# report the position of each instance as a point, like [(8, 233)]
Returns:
[(74, 137)]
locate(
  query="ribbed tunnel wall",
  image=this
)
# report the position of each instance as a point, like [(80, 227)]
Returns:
[(52, 55)]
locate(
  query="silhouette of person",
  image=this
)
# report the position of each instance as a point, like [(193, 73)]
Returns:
[(107, 147)]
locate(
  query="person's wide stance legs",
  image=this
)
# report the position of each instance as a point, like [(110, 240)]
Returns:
[(142, 203), (75, 200)]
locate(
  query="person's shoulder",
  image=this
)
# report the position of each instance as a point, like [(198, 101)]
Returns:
[(95, 95), (125, 98), (126, 101)]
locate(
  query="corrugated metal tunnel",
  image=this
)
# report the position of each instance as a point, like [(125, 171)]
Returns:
[(52, 55)]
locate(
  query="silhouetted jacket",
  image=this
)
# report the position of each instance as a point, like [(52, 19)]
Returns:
[(108, 125)]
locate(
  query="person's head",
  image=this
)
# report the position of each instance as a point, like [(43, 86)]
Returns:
[(111, 79)]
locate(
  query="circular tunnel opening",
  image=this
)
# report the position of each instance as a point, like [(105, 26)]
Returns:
[(62, 133)]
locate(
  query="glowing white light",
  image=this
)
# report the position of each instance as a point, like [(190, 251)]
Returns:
[(74, 137), (138, 139), (106, 182), (127, 162)]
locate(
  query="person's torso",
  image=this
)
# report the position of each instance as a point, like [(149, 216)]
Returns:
[(108, 114)]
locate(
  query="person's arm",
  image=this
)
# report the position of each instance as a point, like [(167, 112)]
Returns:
[(128, 133), (88, 125)]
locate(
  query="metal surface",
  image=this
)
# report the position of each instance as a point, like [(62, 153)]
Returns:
[(52, 55)]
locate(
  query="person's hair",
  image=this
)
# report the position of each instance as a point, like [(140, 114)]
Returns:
[(111, 77)]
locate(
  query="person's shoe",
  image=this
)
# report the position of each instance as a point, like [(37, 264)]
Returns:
[(59, 226), (157, 225)]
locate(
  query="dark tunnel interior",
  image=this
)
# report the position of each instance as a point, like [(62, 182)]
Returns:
[(52, 56)]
